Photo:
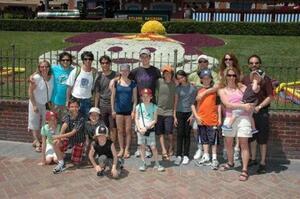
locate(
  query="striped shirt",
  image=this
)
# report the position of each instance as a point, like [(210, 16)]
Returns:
[(78, 125)]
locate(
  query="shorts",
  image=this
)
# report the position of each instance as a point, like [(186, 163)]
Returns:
[(104, 161), (146, 140), (106, 115), (208, 135), (36, 120), (77, 151), (124, 113), (240, 128), (50, 152), (237, 112), (164, 125), (261, 120)]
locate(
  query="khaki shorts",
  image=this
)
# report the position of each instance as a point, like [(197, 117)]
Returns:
[(34, 119), (240, 128), (147, 140)]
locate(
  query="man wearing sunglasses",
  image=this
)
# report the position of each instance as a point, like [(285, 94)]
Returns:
[(261, 115)]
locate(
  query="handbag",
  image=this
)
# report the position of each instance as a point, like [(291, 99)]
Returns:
[(48, 104)]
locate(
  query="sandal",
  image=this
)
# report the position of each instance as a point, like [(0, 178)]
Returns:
[(244, 176), (120, 154), (171, 153), (226, 167), (165, 156), (126, 155), (38, 147)]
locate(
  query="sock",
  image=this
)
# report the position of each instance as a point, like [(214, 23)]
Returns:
[(200, 147), (214, 156), (236, 149), (61, 162), (206, 156)]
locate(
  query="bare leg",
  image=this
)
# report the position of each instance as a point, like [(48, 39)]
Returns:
[(162, 143), (113, 134), (128, 130), (120, 125), (170, 137), (142, 150), (228, 143), (154, 152), (245, 152), (253, 146)]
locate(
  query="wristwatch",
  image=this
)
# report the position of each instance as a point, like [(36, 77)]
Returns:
[(259, 107)]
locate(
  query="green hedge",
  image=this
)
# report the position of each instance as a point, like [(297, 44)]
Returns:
[(124, 26)]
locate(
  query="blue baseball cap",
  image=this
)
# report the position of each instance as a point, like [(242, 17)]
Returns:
[(204, 72)]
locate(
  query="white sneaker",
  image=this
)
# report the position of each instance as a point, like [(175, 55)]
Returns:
[(198, 154), (178, 160), (148, 154), (137, 154), (185, 160), (204, 161), (214, 164)]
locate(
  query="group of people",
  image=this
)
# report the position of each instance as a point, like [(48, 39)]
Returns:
[(88, 111)]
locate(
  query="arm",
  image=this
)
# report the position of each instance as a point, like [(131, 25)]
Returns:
[(152, 124), (175, 107), (115, 161), (255, 86), (91, 157), (31, 88), (112, 100), (134, 102), (222, 94), (197, 117), (140, 128), (43, 151), (69, 92), (219, 114), (214, 89)]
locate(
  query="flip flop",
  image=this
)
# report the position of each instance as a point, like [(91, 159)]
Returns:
[(120, 154), (126, 155), (165, 156), (244, 176), (226, 167)]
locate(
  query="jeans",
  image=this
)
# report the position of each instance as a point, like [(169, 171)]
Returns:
[(183, 133)]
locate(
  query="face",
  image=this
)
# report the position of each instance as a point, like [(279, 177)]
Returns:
[(181, 79), (87, 61), (253, 64), (202, 63), (167, 76), (44, 68), (124, 72), (74, 107), (94, 117), (101, 138), (228, 61), (145, 59), (206, 80), (52, 121), (146, 98), (231, 76), (65, 61), (105, 65)]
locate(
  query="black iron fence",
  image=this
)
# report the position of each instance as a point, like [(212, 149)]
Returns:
[(16, 66)]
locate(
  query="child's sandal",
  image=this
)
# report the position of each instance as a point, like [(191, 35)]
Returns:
[(244, 176), (226, 167)]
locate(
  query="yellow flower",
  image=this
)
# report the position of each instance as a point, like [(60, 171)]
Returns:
[(153, 26)]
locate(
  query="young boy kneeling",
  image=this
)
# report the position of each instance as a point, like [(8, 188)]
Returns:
[(105, 153)]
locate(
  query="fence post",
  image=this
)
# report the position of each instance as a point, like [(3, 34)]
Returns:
[(13, 46), (175, 58)]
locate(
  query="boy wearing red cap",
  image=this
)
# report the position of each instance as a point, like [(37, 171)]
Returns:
[(145, 120), (47, 132)]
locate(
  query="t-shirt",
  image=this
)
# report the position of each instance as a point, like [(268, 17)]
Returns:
[(40, 91), (78, 125), (60, 76), (47, 132), (195, 79), (145, 78), (102, 86), (123, 97), (90, 128), (186, 97), (82, 88), (266, 89), (249, 95), (147, 111), (165, 98), (207, 110)]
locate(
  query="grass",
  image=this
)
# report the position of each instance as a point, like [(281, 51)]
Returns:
[(281, 54)]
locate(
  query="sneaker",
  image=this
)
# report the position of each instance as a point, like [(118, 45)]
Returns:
[(185, 160), (178, 160), (204, 161), (148, 154), (59, 168), (159, 168), (214, 164), (143, 167), (236, 154), (137, 154), (198, 154), (100, 173), (253, 131), (261, 169), (121, 163), (226, 128)]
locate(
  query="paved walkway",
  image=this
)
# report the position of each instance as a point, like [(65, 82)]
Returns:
[(21, 177)]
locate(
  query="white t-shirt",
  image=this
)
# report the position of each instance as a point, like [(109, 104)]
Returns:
[(40, 92), (82, 88)]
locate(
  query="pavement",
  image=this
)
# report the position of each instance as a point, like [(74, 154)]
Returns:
[(21, 177)]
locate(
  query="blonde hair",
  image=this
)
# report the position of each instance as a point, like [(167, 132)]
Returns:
[(38, 71), (224, 81)]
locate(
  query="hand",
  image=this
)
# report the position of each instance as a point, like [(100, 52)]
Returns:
[(35, 109), (142, 130), (175, 122), (257, 109), (198, 120), (248, 107), (98, 168), (43, 163), (114, 173), (190, 120), (113, 114), (132, 115), (200, 96)]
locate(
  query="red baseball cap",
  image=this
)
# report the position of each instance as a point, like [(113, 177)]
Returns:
[(146, 91), (49, 114)]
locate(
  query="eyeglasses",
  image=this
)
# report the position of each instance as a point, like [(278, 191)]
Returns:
[(104, 62), (231, 75), (228, 59), (202, 61), (87, 59), (253, 63), (65, 60)]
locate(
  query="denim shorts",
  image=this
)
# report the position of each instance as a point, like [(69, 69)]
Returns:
[(146, 140)]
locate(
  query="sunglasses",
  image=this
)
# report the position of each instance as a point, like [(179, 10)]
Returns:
[(231, 75), (253, 63), (202, 61), (87, 59), (228, 59), (65, 60)]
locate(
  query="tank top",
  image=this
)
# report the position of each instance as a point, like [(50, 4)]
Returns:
[(233, 96), (104, 150)]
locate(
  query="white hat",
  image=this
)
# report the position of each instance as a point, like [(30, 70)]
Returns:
[(94, 110), (101, 130), (145, 51), (205, 57)]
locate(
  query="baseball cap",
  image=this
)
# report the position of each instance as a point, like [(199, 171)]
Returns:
[(124, 67), (50, 114), (204, 72), (94, 110), (167, 68), (259, 72), (101, 130), (146, 91), (145, 51), (205, 57)]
